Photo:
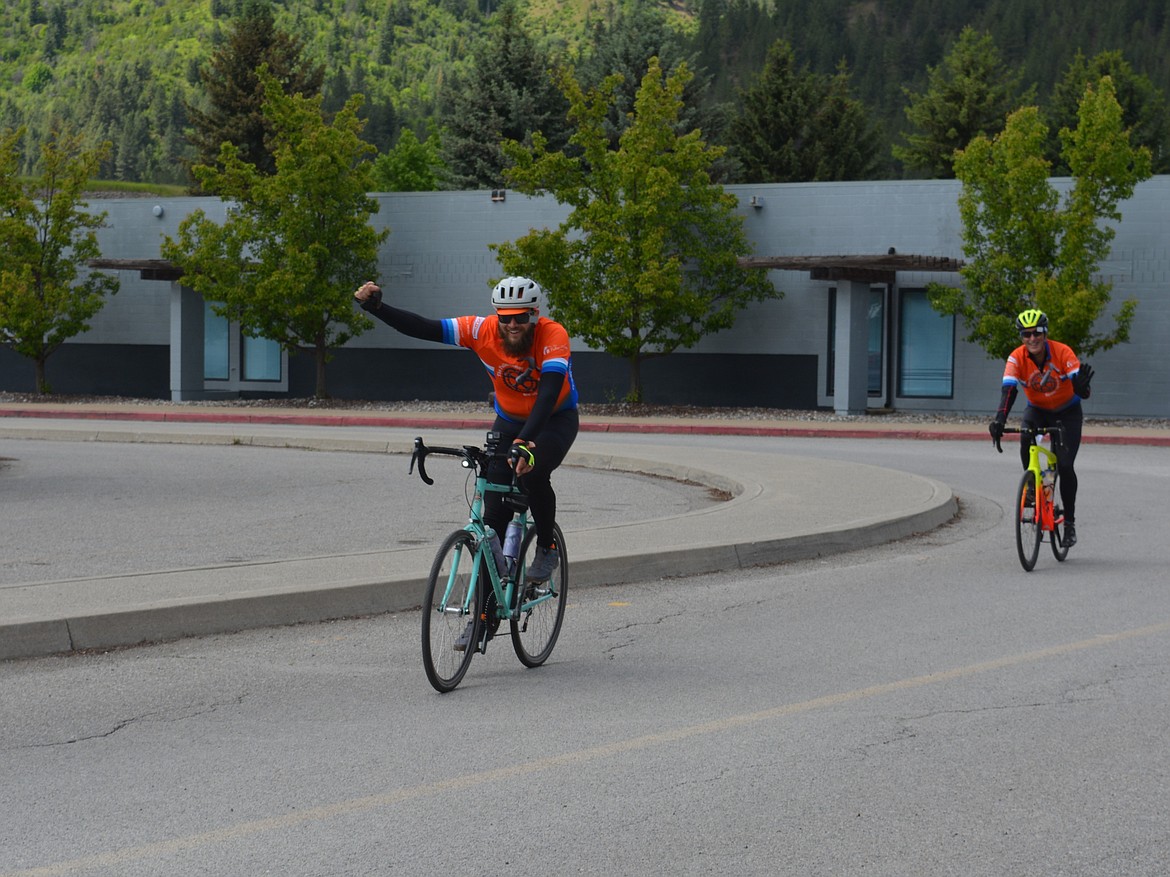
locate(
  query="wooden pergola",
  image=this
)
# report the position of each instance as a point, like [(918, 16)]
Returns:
[(861, 268)]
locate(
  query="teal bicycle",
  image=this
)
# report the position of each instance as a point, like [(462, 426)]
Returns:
[(474, 587)]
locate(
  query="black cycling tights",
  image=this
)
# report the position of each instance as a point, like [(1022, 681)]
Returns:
[(1072, 418), (552, 444)]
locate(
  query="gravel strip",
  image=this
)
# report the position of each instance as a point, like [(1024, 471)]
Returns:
[(621, 409)]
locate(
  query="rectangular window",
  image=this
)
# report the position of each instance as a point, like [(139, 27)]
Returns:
[(216, 347), (261, 359), (926, 348)]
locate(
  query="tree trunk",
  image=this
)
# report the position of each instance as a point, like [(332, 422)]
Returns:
[(319, 352), (42, 385), (635, 393)]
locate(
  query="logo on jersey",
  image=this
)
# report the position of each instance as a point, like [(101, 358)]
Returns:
[(1043, 382), (522, 380)]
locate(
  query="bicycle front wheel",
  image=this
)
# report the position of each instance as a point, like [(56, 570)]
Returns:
[(449, 608), (1028, 528), (1059, 549), (542, 605)]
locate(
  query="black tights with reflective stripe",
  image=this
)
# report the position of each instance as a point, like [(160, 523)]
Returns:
[(552, 444), (1072, 418)]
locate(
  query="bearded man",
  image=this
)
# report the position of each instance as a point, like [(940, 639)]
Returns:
[(527, 357)]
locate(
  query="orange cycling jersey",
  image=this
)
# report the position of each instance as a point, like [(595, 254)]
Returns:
[(516, 378), (1048, 386)]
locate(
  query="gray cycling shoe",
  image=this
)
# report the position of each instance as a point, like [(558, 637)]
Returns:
[(464, 638), (547, 561)]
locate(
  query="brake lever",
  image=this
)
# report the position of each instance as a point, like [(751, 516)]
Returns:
[(420, 454)]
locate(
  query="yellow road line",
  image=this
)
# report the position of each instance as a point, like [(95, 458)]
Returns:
[(114, 858)]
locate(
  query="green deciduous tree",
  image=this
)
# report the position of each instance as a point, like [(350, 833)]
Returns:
[(646, 262), (410, 166), (799, 126), (235, 95), (46, 235), (1143, 106), (1026, 245), (285, 261), (968, 94)]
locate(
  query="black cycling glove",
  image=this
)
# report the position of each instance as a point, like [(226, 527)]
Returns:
[(1081, 381), (996, 430)]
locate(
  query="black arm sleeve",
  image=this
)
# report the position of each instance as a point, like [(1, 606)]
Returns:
[(1006, 401), (406, 322), (546, 400)]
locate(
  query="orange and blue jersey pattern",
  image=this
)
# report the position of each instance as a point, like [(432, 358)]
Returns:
[(1048, 386), (516, 378)]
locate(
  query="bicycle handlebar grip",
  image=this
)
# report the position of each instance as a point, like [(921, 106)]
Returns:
[(420, 454)]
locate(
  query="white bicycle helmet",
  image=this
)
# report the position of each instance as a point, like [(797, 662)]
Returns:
[(516, 294)]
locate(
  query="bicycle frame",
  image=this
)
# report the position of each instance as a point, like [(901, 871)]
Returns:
[(1038, 518), (1046, 503), (504, 585)]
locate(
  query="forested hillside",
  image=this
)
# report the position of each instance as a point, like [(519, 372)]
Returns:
[(125, 70)]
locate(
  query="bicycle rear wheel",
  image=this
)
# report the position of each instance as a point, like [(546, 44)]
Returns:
[(1028, 531), (1059, 549), (448, 607), (542, 605)]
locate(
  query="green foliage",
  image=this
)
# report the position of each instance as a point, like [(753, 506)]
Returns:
[(410, 166), (284, 263), (37, 77), (509, 95), (968, 95), (235, 95), (646, 262), (46, 236), (1143, 107), (1026, 245), (798, 126), (117, 64), (625, 46)]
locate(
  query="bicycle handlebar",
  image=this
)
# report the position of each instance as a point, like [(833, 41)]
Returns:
[(1056, 431), (471, 455)]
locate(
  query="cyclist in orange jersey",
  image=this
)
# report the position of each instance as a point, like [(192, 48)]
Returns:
[(1054, 382), (527, 358)]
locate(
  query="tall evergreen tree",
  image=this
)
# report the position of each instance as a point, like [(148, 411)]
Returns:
[(235, 95), (509, 95), (968, 94), (799, 126), (626, 46)]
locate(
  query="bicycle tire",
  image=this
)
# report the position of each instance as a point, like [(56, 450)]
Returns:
[(441, 626), (1028, 527), (1059, 549), (535, 630)]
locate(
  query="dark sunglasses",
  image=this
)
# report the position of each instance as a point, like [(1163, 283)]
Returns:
[(1037, 334), (519, 319)]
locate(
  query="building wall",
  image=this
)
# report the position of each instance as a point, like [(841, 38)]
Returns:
[(437, 261)]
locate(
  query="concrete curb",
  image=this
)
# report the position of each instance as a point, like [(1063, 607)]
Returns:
[(663, 426), (782, 510)]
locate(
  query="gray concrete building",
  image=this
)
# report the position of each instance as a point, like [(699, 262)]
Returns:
[(855, 332)]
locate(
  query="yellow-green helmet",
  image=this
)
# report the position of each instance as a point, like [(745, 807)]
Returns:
[(1032, 319)]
